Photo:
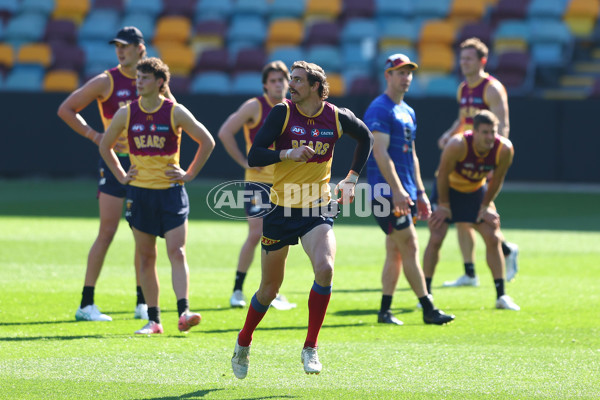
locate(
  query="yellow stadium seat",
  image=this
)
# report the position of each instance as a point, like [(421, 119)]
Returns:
[(510, 44), (61, 81), (179, 57), (74, 10), (582, 8), (336, 85), (468, 10), (7, 55), (173, 29), (35, 53), (438, 32), (329, 9), (284, 32), (581, 26), (436, 58)]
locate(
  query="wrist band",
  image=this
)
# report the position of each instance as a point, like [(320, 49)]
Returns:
[(87, 133), (352, 177), (287, 154), (420, 192)]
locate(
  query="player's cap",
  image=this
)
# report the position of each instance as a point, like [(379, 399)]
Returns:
[(128, 35), (398, 60)]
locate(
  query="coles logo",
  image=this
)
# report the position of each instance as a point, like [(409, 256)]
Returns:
[(137, 128), (315, 132), (298, 130), (123, 93)]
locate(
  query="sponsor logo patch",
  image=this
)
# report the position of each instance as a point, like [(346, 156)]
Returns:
[(137, 128), (298, 130), (268, 242), (123, 93)]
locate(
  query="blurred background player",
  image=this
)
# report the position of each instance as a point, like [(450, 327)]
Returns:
[(479, 91), (157, 202), (463, 195), (394, 163), (111, 89), (304, 130), (250, 116)]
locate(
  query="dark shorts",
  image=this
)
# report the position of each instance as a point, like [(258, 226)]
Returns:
[(383, 212), (464, 206), (156, 211), (284, 226), (107, 183), (259, 201)]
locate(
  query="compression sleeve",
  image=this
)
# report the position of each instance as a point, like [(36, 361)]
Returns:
[(260, 155), (359, 132)]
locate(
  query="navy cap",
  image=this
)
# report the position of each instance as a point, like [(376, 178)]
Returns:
[(128, 35)]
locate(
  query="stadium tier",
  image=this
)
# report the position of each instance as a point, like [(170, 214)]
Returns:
[(544, 48)]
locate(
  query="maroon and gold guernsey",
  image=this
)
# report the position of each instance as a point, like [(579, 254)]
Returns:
[(265, 175), (471, 100), (154, 142), (471, 172), (305, 185), (122, 92)]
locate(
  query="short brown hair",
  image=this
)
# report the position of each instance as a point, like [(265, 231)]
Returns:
[(277, 66), (314, 74), (477, 44), (485, 117), (158, 68)]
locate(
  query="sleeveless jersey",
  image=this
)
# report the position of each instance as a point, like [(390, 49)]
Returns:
[(471, 172), (306, 185), (122, 92), (154, 142), (265, 175), (471, 100)]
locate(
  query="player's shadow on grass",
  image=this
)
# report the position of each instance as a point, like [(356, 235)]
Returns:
[(33, 338), (283, 328), (69, 321), (350, 313), (192, 395)]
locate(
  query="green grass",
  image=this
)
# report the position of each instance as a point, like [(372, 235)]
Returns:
[(548, 350)]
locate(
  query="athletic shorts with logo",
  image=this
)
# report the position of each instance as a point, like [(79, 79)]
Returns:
[(464, 206), (156, 211), (383, 211), (107, 183), (259, 203)]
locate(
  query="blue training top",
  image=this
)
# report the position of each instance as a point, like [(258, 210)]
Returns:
[(398, 121)]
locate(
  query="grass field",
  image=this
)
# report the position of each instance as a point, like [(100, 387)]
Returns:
[(548, 350)]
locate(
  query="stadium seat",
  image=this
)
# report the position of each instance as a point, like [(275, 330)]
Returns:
[(397, 32), (247, 83), (179, 85), (349, 75), (179, 57), (250, 7), (548, 54), (67, 56), (322, 32), (428, 9), (330, 9), (394, 8), (7, 57), (468, 10), (212, 83), (437, 32), (117, 5), (179, 7), (247, 28), (149, 7), (509, 9), (364, 86), (35, 53), (287, 9), (24, 78), (288, 55), (512, 35), (44, 7), (100, 24), (249, 60), (327, 56), (213, 60), (552, 31), (481, 30), (144, 22), (61, 81), (337, 88), (581, 16), (75, 10), (437, 58), (546, 9), (358, 55), (515, 71), (60, 30), (172, 28), (284, 32), (441, 86), (359, 29), (211, 9), (25, 28), (99, 56), (358, 9)]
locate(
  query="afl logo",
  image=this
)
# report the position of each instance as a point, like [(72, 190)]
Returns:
[(315, 132), (298, 130), (123, 93), (137, 128)]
